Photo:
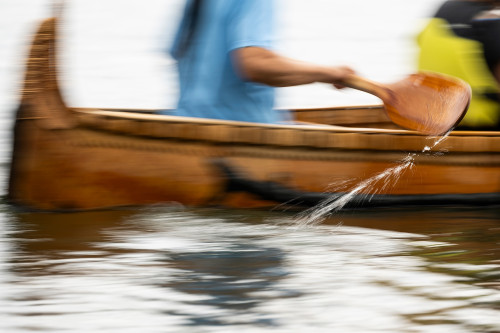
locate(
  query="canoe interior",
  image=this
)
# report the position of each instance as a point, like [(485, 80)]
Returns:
[(359, 116)]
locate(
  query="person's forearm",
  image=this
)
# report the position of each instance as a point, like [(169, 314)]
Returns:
[(266, 67)]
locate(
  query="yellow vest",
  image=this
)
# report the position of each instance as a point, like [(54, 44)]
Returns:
[(443, 51)]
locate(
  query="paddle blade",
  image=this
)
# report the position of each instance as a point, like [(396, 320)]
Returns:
[(429, 103)]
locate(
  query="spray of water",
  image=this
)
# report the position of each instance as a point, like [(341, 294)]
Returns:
[(383, 180)]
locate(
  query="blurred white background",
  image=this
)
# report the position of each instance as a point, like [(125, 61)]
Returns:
[(112, 52)]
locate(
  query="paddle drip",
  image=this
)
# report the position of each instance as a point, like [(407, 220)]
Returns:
[(383, 180), (334, 204), (427, 149)]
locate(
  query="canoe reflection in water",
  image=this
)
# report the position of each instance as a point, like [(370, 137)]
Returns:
[(220, 269), (122, 259)]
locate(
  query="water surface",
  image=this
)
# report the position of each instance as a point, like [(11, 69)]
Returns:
[(167, 269)]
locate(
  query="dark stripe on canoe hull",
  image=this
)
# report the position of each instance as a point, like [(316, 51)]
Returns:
[(238, 181)]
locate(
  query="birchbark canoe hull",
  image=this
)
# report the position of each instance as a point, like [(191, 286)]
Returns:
[(67, 158)]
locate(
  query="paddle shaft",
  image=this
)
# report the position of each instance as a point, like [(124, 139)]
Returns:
[(368, 86)]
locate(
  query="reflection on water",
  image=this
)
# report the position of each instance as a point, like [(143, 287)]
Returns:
[(172, 270)]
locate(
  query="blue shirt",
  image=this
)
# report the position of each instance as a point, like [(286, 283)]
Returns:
[(210, 87)]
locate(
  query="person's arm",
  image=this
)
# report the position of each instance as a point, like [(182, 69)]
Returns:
[(264, 66)]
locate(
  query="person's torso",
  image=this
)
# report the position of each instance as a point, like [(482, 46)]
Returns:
[(210, 86)]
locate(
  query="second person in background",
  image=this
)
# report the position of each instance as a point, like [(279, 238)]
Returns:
[(463, 40)]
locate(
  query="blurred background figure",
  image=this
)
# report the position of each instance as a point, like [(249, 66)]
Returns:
[(463, 40), (227, 69)]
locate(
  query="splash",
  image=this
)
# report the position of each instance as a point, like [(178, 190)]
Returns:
[(427, 149), (383, 180)]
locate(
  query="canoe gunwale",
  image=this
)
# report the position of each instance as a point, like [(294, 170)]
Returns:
[(304, 136), (151, 115)]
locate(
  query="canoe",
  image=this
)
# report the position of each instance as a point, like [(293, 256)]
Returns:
[(70, 158)]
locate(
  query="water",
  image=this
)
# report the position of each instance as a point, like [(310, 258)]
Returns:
[(333, 205), (177, 269), (165, 269)]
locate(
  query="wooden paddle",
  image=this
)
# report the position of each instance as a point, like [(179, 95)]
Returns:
[(429, 103)]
